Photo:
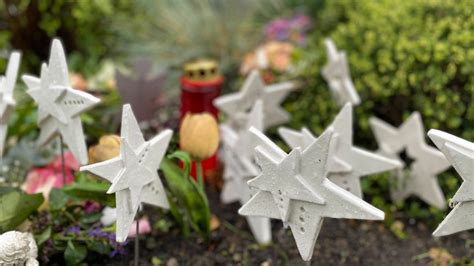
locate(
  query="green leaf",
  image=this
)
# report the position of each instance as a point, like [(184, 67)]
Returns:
[(16, 206), (58, 199), (185, 158), (96, 191), (45, 235), (191, 200), (75, 253), (90, 218)]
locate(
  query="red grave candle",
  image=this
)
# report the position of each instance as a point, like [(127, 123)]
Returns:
[(200, 84)]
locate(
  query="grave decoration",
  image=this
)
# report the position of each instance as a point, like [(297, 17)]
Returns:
[(408, 141), (134, 173), (237, 105), (240, 167), (294, 188), (346, 163), (59, 105), (337, 75), (460, 154), (7, 102)]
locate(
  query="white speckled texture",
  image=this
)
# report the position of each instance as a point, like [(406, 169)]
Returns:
[(294, 188), (460, 153), (59, 105), (347, 163), (134, 174), (420, 179), (337, 75)]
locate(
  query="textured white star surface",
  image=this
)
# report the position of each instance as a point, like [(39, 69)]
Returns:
[(419, 179), (460, 153), (7, 102), (237, 105), (59, 105), (337, 75), (134, 173), (293, 188), (347, 163), (240, 167)]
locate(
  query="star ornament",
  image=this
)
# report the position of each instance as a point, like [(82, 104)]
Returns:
[(336, 73), (347, 163), (7, 102), (237, 105), (240, 167), (419, 178), (294, 188), (59, 105), (134, 173), (460, 154)]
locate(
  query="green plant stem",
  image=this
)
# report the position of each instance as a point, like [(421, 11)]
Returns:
[(199, 174)]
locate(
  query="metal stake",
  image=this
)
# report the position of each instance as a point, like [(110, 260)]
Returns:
[(63, 163), (137, 241)]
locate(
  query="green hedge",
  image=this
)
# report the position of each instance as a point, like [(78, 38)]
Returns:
[(404, 56)]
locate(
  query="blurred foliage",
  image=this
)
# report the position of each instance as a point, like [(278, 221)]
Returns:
[(174, 32), (404, 56), (16, 206), (85, 27)]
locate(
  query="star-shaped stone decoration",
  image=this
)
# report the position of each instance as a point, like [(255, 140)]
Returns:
[(347, 163), (7, 102), (237, 105), (59, 105), (240, 167), (460, 153), (420, 179), (134, 173), (337, 75), (293, 188)]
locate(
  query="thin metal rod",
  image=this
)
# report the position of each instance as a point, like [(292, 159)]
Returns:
[(63, 161), (137, 242), (307, 263)]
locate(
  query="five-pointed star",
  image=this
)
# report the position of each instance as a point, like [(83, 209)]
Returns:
[(420, 179), (7, 103), (294, 188), (236, 105), (240, 167), (134, 174), (460, 153), (336, 73), (59, 105), (347, 163)]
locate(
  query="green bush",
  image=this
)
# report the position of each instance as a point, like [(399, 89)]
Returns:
[(404, 56)]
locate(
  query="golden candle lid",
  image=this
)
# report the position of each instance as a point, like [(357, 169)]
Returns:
[(201, 70)]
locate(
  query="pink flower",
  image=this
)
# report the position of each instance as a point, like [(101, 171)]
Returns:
[(42, 180), (143, 227)]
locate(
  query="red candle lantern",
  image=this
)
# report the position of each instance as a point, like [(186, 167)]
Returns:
[(201, 83)]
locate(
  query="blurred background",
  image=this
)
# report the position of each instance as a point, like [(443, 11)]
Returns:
[(404, 56)]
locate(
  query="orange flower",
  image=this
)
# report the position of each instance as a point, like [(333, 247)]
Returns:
[(199, 135)]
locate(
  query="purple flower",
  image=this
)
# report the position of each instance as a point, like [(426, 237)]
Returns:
[(97, 233), (74, 230)]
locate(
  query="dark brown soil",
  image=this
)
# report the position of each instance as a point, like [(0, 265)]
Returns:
[(341, 242)]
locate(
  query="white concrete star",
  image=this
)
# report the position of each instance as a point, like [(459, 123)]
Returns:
[(421, 177), (134, 174), (237, 105), (294, 188), (240, 167), (460, 153), (337, 75), (7, 102), (59, 105), (347, 163)]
